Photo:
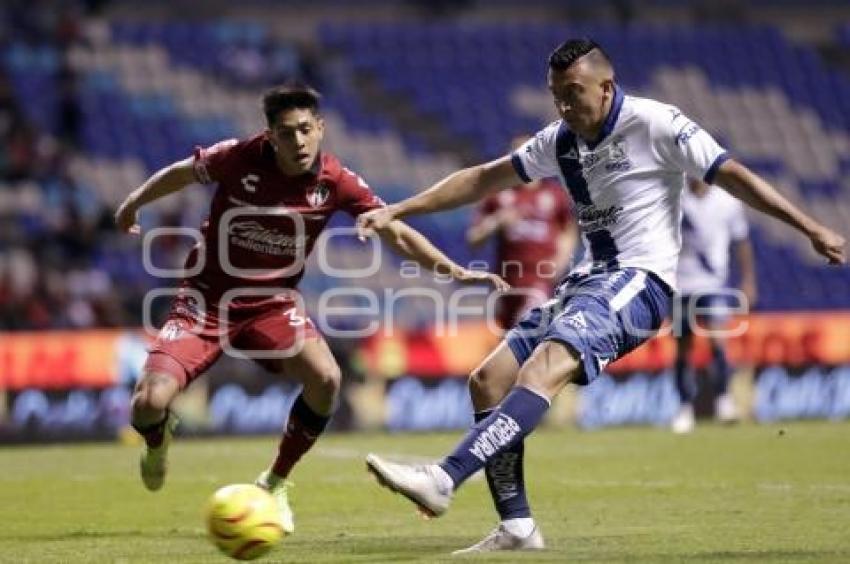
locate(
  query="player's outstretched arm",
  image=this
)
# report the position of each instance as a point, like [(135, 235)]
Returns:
[(168, 180), (462, 187), (412, 244), (748, 187)]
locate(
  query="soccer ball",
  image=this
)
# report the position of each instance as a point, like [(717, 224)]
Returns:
[(243, 521)]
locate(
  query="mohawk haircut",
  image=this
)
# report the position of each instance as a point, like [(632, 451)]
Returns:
[(292, 95), (572, 50)]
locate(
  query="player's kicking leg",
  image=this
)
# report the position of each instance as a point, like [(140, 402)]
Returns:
[(431, 486), (315, 367), (587, 333)]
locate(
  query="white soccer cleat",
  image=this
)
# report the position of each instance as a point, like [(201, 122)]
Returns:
[(683, 422), (153, 464), (427, 486), (725, 409), (501, 539), (279, 489)]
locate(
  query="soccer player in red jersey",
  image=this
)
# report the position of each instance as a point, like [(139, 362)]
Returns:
[(535, 235), (275, 193)]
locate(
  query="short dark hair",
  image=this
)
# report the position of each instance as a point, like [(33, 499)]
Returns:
[(572, 50), (290, 95)]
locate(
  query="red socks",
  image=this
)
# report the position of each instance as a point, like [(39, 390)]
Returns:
[(302, 430)]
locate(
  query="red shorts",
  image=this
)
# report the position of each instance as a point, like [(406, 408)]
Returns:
[(190, 341)]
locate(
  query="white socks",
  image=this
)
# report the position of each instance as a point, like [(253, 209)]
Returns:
[(445, 480), (521, 527)]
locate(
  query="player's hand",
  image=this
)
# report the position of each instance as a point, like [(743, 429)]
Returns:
[(126, 218), (467, 276), (375, 220), (829, 244)]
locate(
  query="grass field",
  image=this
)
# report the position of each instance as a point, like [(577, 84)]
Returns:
[(771, 493)]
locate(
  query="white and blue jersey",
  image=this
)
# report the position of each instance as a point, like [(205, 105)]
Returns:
[(710, 223), (627, 188), (627, 185)]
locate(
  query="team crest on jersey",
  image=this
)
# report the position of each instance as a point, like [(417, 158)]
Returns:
[(617, 157), (171, 331), (318, 195)]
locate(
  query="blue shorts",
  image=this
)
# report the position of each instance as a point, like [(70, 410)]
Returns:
[(602, 316)]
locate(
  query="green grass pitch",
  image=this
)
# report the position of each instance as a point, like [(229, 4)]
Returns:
[(743, 494)]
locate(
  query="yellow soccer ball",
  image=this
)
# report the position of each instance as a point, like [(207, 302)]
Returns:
[(243, 521)]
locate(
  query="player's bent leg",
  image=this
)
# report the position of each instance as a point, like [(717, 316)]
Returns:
[(179, 354), (153, 394), (542, 376), (151, 418), (491, 381), (317, 370), (430, 486)]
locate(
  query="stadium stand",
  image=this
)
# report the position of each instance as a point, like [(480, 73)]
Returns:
[(90, 108)]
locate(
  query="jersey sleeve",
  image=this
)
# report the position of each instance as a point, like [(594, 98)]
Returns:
[(355, 196), (535, 159), (683, 145), (209, 163), (738, 227)]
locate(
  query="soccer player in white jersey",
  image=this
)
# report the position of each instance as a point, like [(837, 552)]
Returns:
[(713, 224), (624, 161)]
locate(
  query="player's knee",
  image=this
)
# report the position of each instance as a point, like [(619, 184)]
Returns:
[(329, 380), (154, 393), (477, 381), (482, 383)]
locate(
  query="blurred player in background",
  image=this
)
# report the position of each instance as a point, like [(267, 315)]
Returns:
[(282, 172), (624, 160), (713, 224), (535, 237)]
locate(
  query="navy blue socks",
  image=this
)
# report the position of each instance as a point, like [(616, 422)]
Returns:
[(497, 434), (505, 478)]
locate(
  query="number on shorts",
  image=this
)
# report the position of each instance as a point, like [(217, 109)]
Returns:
[(294, 319)]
